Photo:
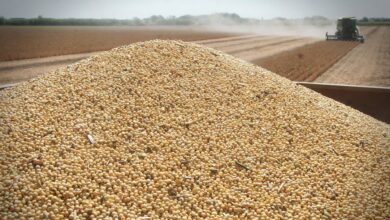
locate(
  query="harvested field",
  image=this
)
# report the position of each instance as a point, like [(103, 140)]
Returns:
[(245, 47), (308, 62), (234, 47), (254, 47), (174, 130), (273, 48), (22, 70), (367, 64), (32, 42), (280, 54)]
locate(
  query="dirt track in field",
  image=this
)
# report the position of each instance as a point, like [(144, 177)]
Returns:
[(249, 47), (367, 64), (21, 70), (308, 62), (255, 47)]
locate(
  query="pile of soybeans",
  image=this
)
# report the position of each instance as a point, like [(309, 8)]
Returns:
[(174, 130)]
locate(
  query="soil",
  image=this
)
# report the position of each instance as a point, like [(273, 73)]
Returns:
[(34, 42), (247, 47), (306, 63), (367, 64)]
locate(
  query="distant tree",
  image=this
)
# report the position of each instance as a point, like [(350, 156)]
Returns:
[(137, 21), (364, 19), (17, 21), (218, 18), (155, 20), (185, 20)]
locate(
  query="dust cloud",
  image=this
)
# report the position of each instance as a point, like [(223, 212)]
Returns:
[(315, 26), (277, 30)]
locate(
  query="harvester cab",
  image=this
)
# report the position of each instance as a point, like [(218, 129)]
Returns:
[(347, 29)]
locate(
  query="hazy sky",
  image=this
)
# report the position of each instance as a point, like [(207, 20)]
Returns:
[(144, 8)]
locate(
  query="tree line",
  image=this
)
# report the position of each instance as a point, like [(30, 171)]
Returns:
[(41, 21), (374, 21), (218, 19)]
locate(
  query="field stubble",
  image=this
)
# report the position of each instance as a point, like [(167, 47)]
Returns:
[(368, 64), (308, 62), (33, 42), (248, 47)]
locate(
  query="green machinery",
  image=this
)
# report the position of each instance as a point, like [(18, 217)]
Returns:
[(347, 29)]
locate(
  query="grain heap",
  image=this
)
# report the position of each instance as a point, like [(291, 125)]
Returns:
[(166, 129)]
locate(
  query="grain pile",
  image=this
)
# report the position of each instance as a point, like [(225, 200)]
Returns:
[(166, 129)]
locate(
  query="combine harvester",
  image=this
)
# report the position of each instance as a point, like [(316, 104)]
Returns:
[(371, 100), (347, 29)]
